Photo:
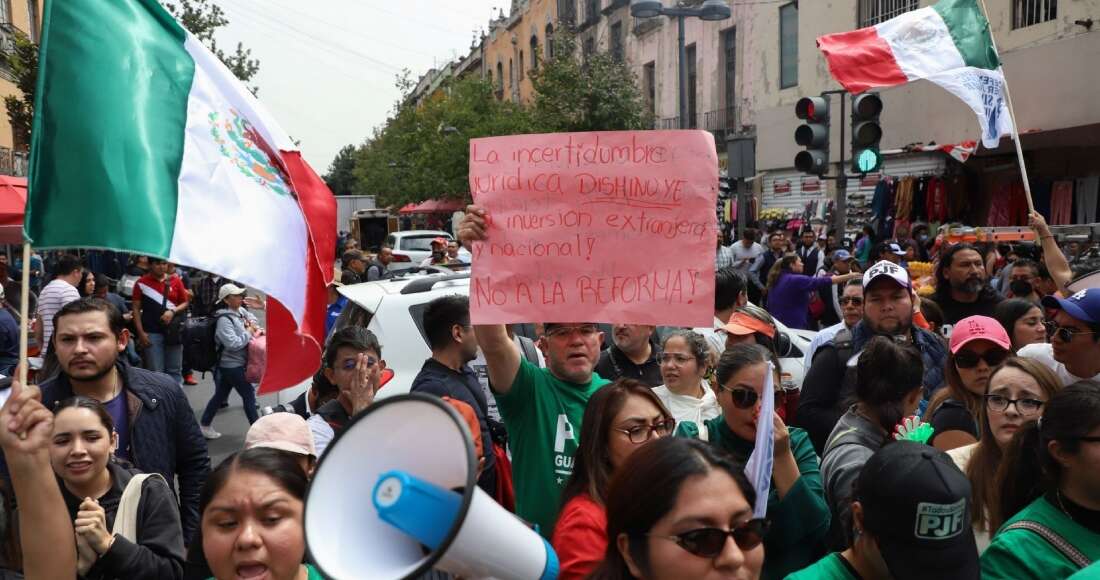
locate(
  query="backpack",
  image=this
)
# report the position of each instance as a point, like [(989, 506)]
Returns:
[(199, 346)]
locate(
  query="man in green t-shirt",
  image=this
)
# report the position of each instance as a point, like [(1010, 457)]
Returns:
[(542, 408)]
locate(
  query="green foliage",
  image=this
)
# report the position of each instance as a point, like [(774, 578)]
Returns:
[(23, 64), (423, 151), (341, 174), (202, 18)]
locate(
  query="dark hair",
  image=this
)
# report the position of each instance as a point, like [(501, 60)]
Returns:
[(982, 467), (931, 311), (943, 286), (738, 357), (92, 304), (780, 267), (1008, 312), (955, 389), (102, 281), (81, 402), (441, 315), (729, 283), (749, 234), (323, 387), (646, 489), (67, 264), (281, 466), (1028, 470), (1024, 263), (856, 282), (356, 338), (591, 463), (83, 281), (778, 233), (886, 373), (695, 343)]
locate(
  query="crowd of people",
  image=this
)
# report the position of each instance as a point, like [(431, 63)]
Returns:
[(951, 433)]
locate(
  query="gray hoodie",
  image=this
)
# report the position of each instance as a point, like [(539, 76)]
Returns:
[(233, 337), (853, 441)]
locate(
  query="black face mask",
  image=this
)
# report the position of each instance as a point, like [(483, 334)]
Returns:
[(1020, 288)]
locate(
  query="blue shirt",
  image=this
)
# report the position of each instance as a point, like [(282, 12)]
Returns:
[(117, 408), (333, 313)]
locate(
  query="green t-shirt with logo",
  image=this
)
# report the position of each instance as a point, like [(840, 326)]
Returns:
[(543, 415), (1019, 554), (831, 567)]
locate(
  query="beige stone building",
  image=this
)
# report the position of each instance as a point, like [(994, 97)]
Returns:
[(16, 17)]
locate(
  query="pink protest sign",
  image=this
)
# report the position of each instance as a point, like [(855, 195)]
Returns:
[(595, 227)]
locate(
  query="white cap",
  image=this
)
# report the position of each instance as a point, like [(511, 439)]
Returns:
[(229, 290), (888, 269)]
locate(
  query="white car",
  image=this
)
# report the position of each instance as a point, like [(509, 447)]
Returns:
[(393, 310), (412, 247)]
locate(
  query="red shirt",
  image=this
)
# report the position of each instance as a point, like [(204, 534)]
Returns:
[(580, 537), (152, 306)]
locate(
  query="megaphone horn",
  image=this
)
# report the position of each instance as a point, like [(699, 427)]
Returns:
[(424, 509)]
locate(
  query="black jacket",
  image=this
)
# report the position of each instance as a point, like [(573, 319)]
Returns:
[(437, 379), (164, 435), (158, 553)]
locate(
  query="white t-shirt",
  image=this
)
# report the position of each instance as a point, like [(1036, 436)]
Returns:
[(53, 297), (685, 408), (1044, 353), (751, 253)]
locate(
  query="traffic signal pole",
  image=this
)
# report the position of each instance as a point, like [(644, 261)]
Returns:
[(840, 213)]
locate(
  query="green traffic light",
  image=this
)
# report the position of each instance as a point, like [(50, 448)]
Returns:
[(868, 160)]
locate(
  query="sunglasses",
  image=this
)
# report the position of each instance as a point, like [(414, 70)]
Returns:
[(851, 299), (641, 433), (742, 398), (709, 542), (1062, 333), (965, 359)]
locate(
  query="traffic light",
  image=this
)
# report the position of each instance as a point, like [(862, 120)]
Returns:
[(813, 134), (866, 133)]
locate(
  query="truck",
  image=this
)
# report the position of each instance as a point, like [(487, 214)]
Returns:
[(371, 226), (347, 205)]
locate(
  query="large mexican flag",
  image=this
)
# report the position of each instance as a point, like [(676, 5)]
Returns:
[(948, 43), (145, 142)]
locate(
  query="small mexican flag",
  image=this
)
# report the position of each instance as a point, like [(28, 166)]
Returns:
[(145, 142), (948, 43)]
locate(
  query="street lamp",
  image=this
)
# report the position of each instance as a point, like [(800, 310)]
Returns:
[(710, 10)]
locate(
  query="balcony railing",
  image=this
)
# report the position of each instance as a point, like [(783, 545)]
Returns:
[(720, 122), (8, 34)]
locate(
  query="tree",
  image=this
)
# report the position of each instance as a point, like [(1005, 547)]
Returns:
[(341, 174), (200, 17), (594, 92)]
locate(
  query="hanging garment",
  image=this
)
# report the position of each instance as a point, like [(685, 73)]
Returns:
[(936, 204), (1061, 202), (879, 203), (1017, 204), (1087, 190), (903, 199), (958, 199), (920, 193)]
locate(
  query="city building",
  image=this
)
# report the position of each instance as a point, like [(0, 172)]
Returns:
[(17, 18)]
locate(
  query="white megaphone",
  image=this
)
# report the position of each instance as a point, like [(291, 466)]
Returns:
[(395, 495)]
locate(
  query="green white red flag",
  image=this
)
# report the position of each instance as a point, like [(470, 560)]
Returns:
[(144, 142), (948, 43)]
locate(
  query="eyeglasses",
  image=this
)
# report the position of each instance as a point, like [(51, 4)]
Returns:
[(642, 433), (349, 365), (1000, 403), (585, 330), (680, 359), (1064, 334), (709, 542), (854, 300), (965, 359), (742, 398)]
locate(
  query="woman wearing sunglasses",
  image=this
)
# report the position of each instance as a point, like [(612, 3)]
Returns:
[(619, 419), (685, 392), (1017, 391), (796, 503), (888, 388), (979, 344), (1023, 320), (1050, 492), (672, 511)]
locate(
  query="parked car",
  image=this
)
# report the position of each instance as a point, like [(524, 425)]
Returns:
[(393, 309), (412, 247)]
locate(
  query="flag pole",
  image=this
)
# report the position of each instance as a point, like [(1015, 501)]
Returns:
[(24, 315), (1012, 116)]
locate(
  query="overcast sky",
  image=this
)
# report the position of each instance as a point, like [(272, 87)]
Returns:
[(327, 67)]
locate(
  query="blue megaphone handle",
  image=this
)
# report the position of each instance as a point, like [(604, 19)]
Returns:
[(418, 508), (553, 567)]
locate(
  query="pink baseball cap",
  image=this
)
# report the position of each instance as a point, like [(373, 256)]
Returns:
[(284, 431), (974, 328)]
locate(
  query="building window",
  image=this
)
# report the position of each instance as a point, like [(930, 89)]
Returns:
[(511, 74), (729, 52), (32, 12), (692, 89), (871, 12), (649, 85), (788, 45), (1028, 12), (500, 80), (567, 11), (522, 63), (5, 12), (549, 41), (534, 52), (617, 41), (592, 14)]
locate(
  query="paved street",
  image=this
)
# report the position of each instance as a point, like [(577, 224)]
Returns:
[(230, 422)]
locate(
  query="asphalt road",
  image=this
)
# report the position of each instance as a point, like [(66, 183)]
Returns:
[(230, 422)]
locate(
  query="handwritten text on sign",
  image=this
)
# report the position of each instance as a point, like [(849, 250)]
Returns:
[(595, 227)]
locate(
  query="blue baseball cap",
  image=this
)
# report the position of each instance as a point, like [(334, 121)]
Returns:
[(842, 256), (1084, 305)]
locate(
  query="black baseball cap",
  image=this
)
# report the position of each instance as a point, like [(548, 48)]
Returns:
[(916, 503)]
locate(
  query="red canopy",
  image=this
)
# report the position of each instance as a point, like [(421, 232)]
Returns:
[(13, 202), (407, 208)]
